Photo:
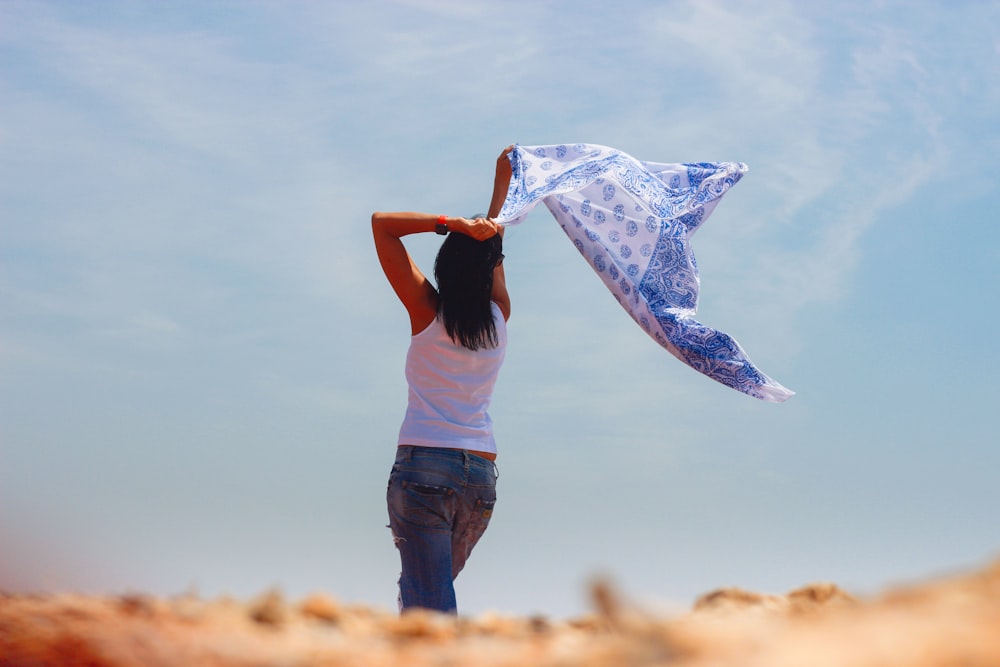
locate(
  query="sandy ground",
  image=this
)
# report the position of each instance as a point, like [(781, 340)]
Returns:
[(953, 622)]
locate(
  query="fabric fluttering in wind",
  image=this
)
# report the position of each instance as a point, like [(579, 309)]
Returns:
[(633, 222)]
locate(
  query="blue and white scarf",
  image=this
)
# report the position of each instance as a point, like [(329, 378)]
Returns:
[(633, 223)]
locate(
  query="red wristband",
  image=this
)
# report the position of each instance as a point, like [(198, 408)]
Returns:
[(442, 226)]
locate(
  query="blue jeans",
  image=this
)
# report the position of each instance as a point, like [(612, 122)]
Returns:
[(440, 502)]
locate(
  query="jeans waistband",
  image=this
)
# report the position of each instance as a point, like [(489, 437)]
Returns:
[(446, 452)]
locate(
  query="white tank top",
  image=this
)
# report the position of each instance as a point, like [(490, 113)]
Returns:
[(450, 388)]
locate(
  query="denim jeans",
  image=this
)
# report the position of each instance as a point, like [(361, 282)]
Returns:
[(440, 502)]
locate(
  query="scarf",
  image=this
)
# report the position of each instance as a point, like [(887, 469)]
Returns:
[(632, 221)]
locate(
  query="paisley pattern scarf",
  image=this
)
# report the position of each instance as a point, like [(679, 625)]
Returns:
[(633, 222)]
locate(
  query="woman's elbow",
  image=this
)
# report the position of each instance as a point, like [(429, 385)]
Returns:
[(379, 219)]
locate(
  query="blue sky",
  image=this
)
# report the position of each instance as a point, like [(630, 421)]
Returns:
[(201, 364)]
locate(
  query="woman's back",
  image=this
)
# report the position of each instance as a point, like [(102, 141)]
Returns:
[(450, 387)]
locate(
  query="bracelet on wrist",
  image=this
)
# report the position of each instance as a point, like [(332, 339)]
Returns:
[(442, 225)]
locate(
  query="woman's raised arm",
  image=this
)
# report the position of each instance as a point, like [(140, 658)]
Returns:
[(409, 283)]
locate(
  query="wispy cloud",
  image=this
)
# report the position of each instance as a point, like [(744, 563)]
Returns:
[(833, 145), (291, 185)]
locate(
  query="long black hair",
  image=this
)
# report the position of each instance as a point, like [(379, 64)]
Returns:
[(464, 274)]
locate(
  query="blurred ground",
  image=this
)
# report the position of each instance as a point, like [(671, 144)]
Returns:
[(946, 622)]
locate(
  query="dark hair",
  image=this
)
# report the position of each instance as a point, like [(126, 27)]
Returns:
[(464, 274)]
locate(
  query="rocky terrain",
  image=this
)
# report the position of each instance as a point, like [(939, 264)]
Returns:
[(953, 621)]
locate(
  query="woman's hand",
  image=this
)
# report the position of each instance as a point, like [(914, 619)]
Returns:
[(479, 229)]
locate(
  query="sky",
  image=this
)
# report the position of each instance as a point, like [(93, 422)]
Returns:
[(201, 363)]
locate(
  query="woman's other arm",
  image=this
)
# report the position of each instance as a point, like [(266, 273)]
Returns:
[(499, 294), (501, 182)]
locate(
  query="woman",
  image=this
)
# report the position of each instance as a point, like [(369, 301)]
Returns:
[(442, 487)]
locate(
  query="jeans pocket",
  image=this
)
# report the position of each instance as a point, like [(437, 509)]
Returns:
[(484, 507), (424, 505), (426, 489)]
